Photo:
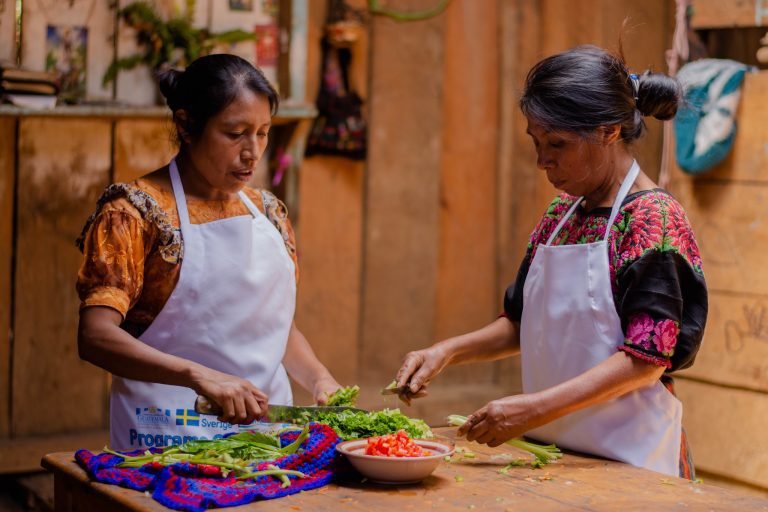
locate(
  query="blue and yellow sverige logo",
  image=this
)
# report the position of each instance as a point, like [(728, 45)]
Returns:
[(187, 417)]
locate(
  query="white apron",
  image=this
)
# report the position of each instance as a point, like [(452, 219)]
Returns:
[(231, 310), (569, 325)]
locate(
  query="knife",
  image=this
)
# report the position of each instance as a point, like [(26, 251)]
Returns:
[(278, 413)]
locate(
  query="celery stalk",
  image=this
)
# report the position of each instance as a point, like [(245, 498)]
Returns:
[(543, 453)]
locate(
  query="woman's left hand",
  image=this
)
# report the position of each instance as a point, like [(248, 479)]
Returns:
[(501, 420), (323, 389)]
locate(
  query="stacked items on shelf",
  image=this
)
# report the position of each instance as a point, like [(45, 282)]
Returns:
[(27, 88)]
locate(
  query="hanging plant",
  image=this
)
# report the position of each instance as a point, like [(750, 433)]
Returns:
[(168, 44)]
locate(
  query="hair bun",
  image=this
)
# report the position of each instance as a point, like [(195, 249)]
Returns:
[(168, 81), (659, 95)]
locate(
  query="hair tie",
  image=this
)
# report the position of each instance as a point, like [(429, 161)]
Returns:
[(635, 85)]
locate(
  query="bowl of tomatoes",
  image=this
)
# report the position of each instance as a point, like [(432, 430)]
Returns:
[(395, 458)]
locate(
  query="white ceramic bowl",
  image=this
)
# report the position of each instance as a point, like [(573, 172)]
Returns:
[(395, 470)]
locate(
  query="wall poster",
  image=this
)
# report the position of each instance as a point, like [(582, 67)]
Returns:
[(66, 50)]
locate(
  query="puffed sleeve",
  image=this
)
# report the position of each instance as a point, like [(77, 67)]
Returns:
[(662, 294), (113, 245), (277, 213), (663, 308)]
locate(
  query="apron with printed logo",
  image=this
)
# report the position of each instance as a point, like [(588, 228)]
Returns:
[(569, 325), (231, 310)]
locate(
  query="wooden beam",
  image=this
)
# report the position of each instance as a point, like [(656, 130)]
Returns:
[(402, 191), (7, 205), (729, 13), (329, 244), (467, 202)]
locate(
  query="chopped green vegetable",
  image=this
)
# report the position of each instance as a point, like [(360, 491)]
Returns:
[(357, 425), (403, 392), (544, 453), (344, 397), (392, 389)]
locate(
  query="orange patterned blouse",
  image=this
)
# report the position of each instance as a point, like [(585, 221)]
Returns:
[(132, 246)]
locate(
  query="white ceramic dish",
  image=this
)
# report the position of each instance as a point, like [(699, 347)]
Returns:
[(395, 470)]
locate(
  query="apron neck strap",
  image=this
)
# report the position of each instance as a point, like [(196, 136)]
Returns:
[(249, 204), (178, 194), (629, 179), (626, 184), (560, 224), (181, 200)]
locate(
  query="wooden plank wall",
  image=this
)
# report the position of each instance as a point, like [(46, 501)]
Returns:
[(141, 145), (725, 393), (401, 233), (733, 13), (58, 186), (7, 186), (329, 229)]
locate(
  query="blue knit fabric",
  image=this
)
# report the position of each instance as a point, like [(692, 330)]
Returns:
[(194, 488), (705, 126)]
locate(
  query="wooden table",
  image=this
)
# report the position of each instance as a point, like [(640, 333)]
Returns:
[(575, 482)]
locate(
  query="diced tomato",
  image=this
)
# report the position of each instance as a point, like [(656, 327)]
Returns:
[(394, 445)]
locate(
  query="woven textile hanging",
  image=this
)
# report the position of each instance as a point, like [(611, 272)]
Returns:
[(339, 128)]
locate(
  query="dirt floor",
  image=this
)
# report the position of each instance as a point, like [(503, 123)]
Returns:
[(32, 492)]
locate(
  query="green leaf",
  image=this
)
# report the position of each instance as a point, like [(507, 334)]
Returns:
[(344, 397)]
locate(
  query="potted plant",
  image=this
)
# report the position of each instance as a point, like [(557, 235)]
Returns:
[(168, 44)]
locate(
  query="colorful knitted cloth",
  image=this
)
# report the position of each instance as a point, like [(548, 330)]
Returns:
[(194, 488)]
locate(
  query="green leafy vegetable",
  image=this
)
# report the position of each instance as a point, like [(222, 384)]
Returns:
[(235, 453), (544, 453), (357, 425), (344, 397), (404, 392)]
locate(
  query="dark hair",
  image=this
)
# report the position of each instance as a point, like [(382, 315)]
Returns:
[(586, 87), (209, 84)]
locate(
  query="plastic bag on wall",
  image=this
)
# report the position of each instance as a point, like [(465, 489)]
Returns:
[(705, 126)]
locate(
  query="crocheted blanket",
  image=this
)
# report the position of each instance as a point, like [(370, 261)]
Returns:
[(193, 487)]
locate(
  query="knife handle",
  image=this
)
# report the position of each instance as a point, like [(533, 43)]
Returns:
[(204, 405)]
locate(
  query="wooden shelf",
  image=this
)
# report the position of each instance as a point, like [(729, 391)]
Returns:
[(287, 113), (23, 454)]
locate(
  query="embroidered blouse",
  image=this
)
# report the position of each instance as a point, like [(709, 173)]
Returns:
[(656, 275), (133, 249)]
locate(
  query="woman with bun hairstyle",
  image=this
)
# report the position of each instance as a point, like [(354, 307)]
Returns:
[(188, 282), (610, 297)]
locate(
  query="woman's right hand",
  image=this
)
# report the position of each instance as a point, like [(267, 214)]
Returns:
[(418, 370), (241, 402)]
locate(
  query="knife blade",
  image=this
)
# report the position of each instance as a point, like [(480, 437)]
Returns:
[(278, 413)]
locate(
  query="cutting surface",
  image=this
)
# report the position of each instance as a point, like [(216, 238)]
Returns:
[(473, 480)]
